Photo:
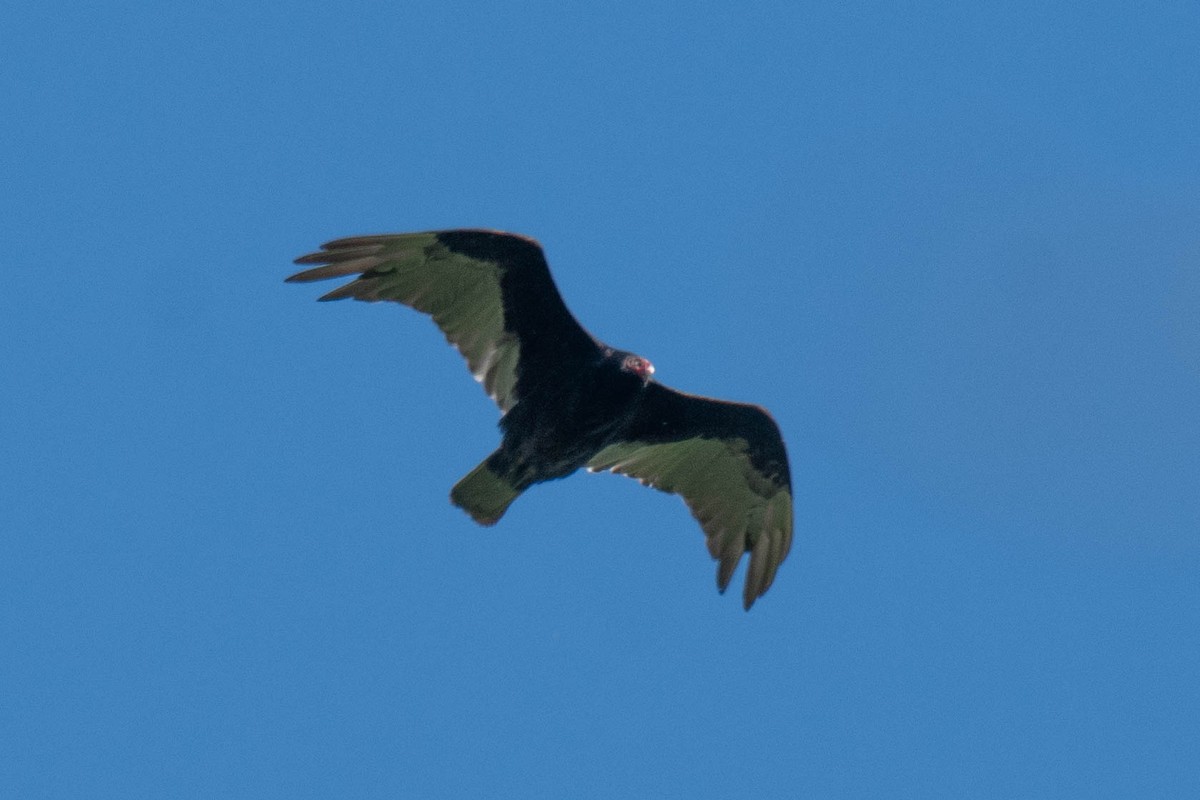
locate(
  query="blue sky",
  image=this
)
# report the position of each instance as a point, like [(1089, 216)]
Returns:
[(953, 248)]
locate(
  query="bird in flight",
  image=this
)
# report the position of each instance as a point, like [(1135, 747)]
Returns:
[(568, 400)]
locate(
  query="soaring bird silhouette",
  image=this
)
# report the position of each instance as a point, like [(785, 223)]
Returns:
[(569, 400)]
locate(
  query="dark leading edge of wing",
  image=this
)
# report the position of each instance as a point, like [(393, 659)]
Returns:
[(728, 462), (491, 294)]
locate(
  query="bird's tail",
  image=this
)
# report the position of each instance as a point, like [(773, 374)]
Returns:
[(484, 493)]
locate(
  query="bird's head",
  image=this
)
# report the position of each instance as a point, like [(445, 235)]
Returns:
[(637, 366)]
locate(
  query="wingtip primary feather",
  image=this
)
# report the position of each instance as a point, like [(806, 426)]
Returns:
[(757, 573), (725, 570), (337, 269), (368, 240)]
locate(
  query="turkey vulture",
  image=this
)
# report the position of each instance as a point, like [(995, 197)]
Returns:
[(571, 401)]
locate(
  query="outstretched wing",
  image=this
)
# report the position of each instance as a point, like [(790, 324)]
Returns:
[(491, 294), (728, 462)]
